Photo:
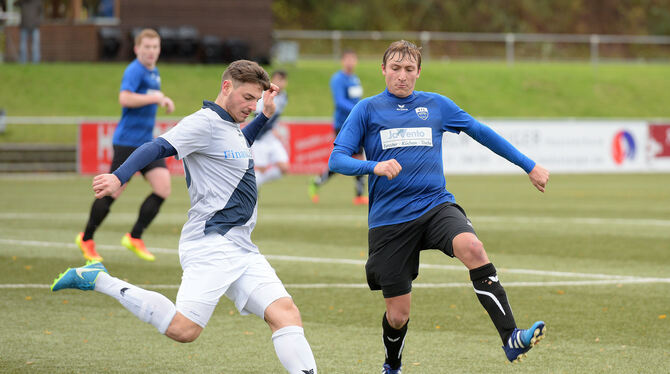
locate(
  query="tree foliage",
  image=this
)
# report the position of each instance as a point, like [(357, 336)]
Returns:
[(637, 17)]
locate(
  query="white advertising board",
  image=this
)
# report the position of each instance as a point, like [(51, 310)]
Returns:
[(565, 146)]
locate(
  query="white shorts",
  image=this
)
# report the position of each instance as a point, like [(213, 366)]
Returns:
[(268, 151), (215, 266)]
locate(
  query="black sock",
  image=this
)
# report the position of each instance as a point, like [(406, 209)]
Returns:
[(359, 185), (493, 298), (323, 178), (99, 211), (394, 341), (148, 212)]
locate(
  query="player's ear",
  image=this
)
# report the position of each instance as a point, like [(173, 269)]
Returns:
[(226, 87), (418, 72)]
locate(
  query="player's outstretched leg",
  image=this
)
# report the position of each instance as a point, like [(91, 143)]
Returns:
[(521, 341), (148, 306)]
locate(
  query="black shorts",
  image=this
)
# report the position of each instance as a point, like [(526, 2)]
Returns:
[(393, 257), (121, 154)]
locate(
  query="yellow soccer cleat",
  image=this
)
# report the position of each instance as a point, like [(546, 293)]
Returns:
[(137, 246)]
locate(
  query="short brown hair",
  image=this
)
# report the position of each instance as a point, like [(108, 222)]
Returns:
[(146, 33), (245, 71), (403, 48)]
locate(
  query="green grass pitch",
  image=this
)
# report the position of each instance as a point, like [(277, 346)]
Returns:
[(598, 247)]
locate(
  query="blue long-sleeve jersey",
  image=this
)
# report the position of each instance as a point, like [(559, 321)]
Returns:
[(409, 130), (347, 91)]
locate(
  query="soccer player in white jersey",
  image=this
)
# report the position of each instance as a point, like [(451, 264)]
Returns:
[(215, 248), (270, 157)]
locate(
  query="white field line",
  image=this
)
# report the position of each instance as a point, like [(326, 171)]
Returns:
[(414, 285), (603, 278), (181, 218)]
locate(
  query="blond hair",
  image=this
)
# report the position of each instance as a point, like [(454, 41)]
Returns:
[(146, 33), (402, 48)]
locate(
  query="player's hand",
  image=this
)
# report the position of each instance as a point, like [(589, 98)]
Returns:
[(268, 100), (167, 103), (389, 169), (105, 185), (539, 177)]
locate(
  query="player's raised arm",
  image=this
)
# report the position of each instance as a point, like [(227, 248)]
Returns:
[(107, 184)]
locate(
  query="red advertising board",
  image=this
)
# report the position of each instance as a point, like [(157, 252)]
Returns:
[(94, 150), (659, 140), (308, 145)]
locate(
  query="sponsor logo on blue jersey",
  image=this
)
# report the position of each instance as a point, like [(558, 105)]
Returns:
[(406, 137)]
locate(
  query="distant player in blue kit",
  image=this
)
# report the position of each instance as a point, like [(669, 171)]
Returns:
[(346, 89), (410, 209), (270, 157), (140, 96), (215, 248)]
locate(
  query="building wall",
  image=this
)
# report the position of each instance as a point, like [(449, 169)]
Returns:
[(249, 20), (59, 42)]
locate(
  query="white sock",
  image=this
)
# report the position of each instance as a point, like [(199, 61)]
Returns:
[(293, 350), (269, 175), (148, 306)]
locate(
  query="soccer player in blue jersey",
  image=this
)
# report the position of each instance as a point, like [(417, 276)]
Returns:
[(346, 89), (270, 157), (215, 248), (140, 97), (410, 209)]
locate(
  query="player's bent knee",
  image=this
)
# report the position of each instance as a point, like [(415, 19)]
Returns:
[(281, 313), (183, 330)]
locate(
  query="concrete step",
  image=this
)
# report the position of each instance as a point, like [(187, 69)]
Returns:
[(17, 157)]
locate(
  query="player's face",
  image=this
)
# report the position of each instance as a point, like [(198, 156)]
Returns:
[(280, 82), (147, 51), (349, 61), (401, 74), (242, 99)]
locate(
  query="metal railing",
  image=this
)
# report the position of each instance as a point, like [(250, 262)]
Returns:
[(509, 39)]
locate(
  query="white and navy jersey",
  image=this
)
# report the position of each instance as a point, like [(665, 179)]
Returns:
[(280, 104), (409, 130), (219, 174)]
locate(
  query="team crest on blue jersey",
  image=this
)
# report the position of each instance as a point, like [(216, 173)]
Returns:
[(422, 112)]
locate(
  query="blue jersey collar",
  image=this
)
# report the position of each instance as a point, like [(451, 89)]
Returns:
[(399, 99), (206, 104)]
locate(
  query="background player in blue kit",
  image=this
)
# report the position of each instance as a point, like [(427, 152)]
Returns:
[(410, 209), (215, 248), (140, 97), (270, 157), (346, 89)]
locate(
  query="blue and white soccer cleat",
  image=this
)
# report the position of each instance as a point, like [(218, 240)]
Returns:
[(521, 341), (82, 278), (386, 369)]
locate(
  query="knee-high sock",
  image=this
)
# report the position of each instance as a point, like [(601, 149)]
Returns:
[(493, 298), (394, 342), (148, 306), (268, 176), (323, 178), (293, 350), (148, 211), (99, 211), (359, 185)]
